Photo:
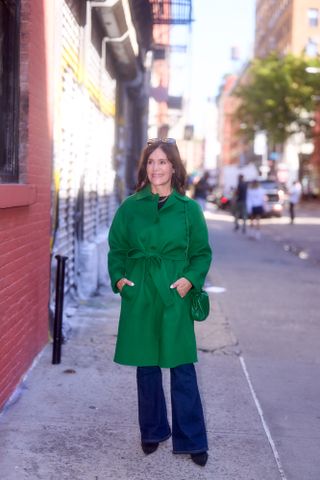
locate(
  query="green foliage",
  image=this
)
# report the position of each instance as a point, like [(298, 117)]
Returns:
[(279, 97)]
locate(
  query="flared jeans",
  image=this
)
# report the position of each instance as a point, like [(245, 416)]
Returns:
[(188, 426)]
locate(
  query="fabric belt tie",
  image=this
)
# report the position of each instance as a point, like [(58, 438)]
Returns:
[(156, 268)]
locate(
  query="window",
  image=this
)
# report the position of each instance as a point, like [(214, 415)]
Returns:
[(9, 90), (313, 16), (312, 48)]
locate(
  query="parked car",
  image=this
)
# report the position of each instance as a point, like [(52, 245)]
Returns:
[(275, 198)]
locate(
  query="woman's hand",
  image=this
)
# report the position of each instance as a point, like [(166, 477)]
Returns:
[(122, 282), (182, 285)]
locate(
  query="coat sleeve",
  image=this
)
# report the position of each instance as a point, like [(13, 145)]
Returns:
[(118, 248), (199, 251)]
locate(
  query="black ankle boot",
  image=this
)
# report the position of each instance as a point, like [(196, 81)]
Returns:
[(149, 447), (199, 458)]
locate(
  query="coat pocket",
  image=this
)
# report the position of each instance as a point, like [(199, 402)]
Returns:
[(127, 291)]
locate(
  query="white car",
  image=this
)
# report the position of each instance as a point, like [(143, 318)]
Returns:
[(275, 198)]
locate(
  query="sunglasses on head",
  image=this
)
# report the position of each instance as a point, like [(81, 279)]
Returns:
[(170, 141)]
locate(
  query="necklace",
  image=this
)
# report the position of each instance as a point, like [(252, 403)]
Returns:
[(162, 199)]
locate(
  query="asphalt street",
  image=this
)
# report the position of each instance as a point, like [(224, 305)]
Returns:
[(258, 372), (272, 304)]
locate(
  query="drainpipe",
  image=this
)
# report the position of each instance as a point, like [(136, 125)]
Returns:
[(108, 39)]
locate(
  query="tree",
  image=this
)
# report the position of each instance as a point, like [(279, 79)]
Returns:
[(278, 95)]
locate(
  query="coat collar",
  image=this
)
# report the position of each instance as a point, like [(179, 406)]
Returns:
[(146, 192)]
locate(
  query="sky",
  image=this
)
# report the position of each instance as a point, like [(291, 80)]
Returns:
[(218, 26)]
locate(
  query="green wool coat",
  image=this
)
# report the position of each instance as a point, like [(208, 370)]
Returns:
[(149, 247)]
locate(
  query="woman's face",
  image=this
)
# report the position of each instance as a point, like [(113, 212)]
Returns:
[(159, 170)]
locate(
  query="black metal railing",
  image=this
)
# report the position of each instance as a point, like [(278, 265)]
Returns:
[(171, 12), (57, 328)]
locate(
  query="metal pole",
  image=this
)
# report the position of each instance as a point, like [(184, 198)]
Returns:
[(57, 328)]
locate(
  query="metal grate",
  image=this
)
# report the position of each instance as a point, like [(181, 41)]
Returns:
[(171, 12)]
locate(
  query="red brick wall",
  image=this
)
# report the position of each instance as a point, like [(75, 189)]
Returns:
[(25, 229), (229, 139)]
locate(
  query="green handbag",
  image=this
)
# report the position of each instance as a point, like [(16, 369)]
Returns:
[(200, 305)]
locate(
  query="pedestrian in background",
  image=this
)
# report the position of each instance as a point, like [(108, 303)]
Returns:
[(240, 204), (255, 207), (294, 198), (159, 251), (201, 190)]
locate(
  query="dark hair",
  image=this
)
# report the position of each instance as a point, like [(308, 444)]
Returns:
[(179, 178)]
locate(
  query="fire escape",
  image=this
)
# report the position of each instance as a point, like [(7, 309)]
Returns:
[(171, 21), (171, 12)]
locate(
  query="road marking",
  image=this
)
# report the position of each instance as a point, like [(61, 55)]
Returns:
[(215, 289), (264, 423)]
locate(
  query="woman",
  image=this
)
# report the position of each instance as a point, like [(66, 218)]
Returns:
[(159, 250), (255, 206)]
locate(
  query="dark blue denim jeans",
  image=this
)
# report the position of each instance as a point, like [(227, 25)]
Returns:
[(188, 427)]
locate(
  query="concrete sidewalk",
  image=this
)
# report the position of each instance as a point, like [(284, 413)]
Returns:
[(78, 420), (301, 238)]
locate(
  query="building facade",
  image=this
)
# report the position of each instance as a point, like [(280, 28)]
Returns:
[(229, 141), (25, 173), (74, 113), (167, 110), (100, 126), (292, 26), (287, 26)]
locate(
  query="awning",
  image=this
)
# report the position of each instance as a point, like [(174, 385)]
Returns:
[(120, 37)]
